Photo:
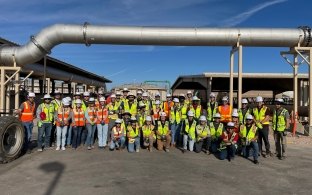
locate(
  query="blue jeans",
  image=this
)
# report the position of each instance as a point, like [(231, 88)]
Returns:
[(84, 135), (214, 146), (28, 127), (246, 150), (189, 141), (44, 132), (120, 143), (102, 134), (175, 131), (61, 136), (69, 135), (91, 130), (136, 144), (76, 136), (228, 152)]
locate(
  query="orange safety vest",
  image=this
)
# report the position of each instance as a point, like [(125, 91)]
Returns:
[(62, 115), (28, 112), (167, 108), (79, 117), (117, 132), (156, 113), (102, 115), (92, 115), (226, 113)]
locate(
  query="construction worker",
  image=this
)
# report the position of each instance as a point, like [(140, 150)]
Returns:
[(91, 121), (149, 136), (229, 143), (57, 101), (26, 113), (102, 123), (244, 111), (157, 97), (248, 135), (189, 132), (141, 116), (189, 97), (261, 115), (212, 107), (113, 111), (196, 108), (203, 135), (175, 120), (225, 110), (125, 92), (78, 123), (156, 111), (70, 127), (133, 135), (235, 120), (118, 136), (97, 100), (216, 129), (119, 100), (139, 95), (147, 103), (86, 97), (184, 107), (167, 105), (126, 116), (163, 133), (62, 117), (280, 125), (131, 104), (77, 96), (45, 115)]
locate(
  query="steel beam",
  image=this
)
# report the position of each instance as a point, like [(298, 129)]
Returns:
[(240, 75)]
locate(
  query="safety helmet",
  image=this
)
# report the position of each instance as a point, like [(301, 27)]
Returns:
[(47, 96), (86, 93), (125, 90), (148, 118), (157, 102), (176, 100), (212, 95), (244, 101), (249, 117), (113, 96), (189, 92), (78, 101), (202, 118), (190, 113), (168, 95), (144, 94), (230, 125), (235, 113), (279, 100), (225, 98), (217, 115), (31, 94), (102, 99), (91, 100), (65, 102), (163, 114), (195, 98), (259, 99), (118, 93), (118, 121)]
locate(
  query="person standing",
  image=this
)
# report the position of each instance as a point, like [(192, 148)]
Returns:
[(125, 92), (261, 114), (45, 115), (156, 112), (229, 143), (133, 134), (167, 105), (203, 135), (131, 105), (244, 111), (280, 125), (57, 102), (102, 123), (78, 123), (189, 96), (91, 120), (196, 108), (163, 133), (62, 117), (189, 132), (175, 120), (225, 111), (184, 108), (212, 107), (26, 114)]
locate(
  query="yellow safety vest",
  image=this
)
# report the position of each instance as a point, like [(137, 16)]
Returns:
[(147, 130), (175, 115), (49, 111), (281, 121), (197, 112), (259, 116), (132, 132), (190, 130), (202, 131), (56, 104), (133, 109), (113, 108), (241, 117), (210, 112), (216, 133), (184, 111), (163, 130), (251, 133)]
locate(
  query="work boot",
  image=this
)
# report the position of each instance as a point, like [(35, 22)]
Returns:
[(256, 162), (40, 150)]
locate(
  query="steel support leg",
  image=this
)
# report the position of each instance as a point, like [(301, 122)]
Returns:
[(240, 75), (231, 77)]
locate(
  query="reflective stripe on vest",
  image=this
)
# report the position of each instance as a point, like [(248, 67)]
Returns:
[(223, 144), (28, 112), (184, 111), (260, 116), (133, 133), (203, 131), (167, 108), (226, 113), (114, 108), (102, 115), (156, 112), (48, 111), (251, 133), (175, 115), (147, 130), (62, 115), (281, 121), (92, 115), (215, 133), (117, 132), (197, 112), (79, 117), (133, 109), (210, 112), (190, 130), (163, 129), (242, 118)]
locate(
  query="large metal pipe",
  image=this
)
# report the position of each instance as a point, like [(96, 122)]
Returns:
[(49, 37)]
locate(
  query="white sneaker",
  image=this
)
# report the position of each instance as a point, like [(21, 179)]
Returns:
[(63, 148), (57, 148), (39, 150), (137, 150)]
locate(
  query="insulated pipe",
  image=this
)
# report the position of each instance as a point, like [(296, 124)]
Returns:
[(42, 43)]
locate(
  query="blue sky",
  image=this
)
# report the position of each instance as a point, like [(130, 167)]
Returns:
[(127, 64)]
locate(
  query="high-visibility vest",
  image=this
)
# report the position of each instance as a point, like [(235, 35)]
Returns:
[(251, 134), (102, 115), (196, 111), (226, 113), (279, 124), (97, 103), (175, 115), (188, 101), (190, 130), (160, 105), (242, 117), (147, 106), (162, 129), (156, 112), (202, 131), (113, 108), (27, 114), (92, 113), (79, 117), (132, 109), (62, 115), (147, 130), (117, 132), (184, 111), (210, 112), (260, 116), (83, 106), (167, 108), (141, 118), (216, 133), (133, 132), (226, 137), (49, 111), (57, 104)]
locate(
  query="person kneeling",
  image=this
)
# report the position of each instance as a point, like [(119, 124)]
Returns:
[(228, 145), (133, 134), (203, 136), (148, 133), (163, 133), (118, 136)]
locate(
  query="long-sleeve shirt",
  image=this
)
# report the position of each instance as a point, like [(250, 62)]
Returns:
[(70, 116), (40, 109)]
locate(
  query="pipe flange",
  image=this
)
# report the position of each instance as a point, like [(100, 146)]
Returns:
[(84, 31), (306, 34), (34, 41)]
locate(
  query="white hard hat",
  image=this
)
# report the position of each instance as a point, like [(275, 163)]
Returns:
[(144, 94), (148, 118), (230, 124), (217, 115), (130, 94), (259, 99), (118, 93), (77, 93), (249, 117), (113, 96), (157, 94), (47, 96), (244, 101), (202, 118), (133, 119), (102, 99), (176, 100), (139, 92), (189, 92), (68, 98), (168, 95), (31, 94), (91, 99), (157, 102), (125, 90), (57, 92), (86, 93), (141, 104), (163, 114), (195, 98), (212, 95), (78, 101), (181, 95), (190, 113), (101, 92), (65, 102), (118, 120), (280, 100), (225, 98), (235, 114)]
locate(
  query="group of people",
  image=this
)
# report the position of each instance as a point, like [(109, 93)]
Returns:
[(141, 121)]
